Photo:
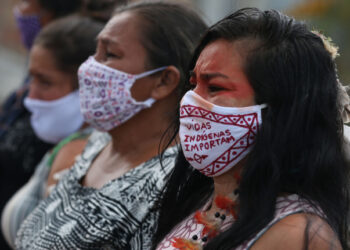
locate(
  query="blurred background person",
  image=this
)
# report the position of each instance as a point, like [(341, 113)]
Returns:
[(32, 15), (129, 92), (21, 147), (53, 101)]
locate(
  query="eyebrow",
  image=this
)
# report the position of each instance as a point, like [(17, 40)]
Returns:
[(208, 75), (41, 76), (106, 40)]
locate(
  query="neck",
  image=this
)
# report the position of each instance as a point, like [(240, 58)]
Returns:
[(138, 139), (226, 184)]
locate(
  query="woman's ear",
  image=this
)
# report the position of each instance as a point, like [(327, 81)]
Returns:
[(168, 82)]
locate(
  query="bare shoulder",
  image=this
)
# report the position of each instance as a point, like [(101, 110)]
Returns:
[(68, 152), (299, 231), (65, 158)]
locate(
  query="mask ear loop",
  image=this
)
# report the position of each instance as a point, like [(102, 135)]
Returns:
[(150, 72), (148, 103), (263, 106)]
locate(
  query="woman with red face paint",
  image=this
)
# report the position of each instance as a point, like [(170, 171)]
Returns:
[(262, 163)]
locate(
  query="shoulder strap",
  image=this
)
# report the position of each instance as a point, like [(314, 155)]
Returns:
[(285, 206), (75, 136)]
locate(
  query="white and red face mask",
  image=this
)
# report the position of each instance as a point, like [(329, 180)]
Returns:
[(215, 138)]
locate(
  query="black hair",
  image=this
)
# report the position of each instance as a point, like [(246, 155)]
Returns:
[(101, 9), (169, 32), (299, 148), (71, 40), (60, 8)]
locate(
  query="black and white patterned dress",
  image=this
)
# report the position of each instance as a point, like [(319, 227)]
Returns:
[(120, 215)]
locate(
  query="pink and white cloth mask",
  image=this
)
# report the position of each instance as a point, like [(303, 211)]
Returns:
[(105, 97), (215, 138)]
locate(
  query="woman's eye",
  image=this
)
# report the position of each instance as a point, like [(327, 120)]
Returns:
[(111, 55), (44, 84), (213, 88)]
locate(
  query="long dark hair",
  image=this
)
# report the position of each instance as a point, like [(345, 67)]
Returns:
[(299, 146), (101, 9)]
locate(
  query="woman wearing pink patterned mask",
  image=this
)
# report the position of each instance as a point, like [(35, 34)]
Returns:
[(129, 92)]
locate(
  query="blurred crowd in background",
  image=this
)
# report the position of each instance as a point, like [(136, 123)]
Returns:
[(332, 17)]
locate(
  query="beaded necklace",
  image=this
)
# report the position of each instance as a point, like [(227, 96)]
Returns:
[(226, 205)]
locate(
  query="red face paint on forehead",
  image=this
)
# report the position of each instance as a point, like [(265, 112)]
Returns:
[(219, 76)]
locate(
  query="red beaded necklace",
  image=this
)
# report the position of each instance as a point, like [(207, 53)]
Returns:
[(227, 205)]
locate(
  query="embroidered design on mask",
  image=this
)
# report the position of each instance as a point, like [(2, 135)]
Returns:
[(213, 139)]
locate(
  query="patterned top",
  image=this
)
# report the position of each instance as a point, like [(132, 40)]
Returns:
[(20, 149), (23, 202), (120, 215), (285, 205)]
